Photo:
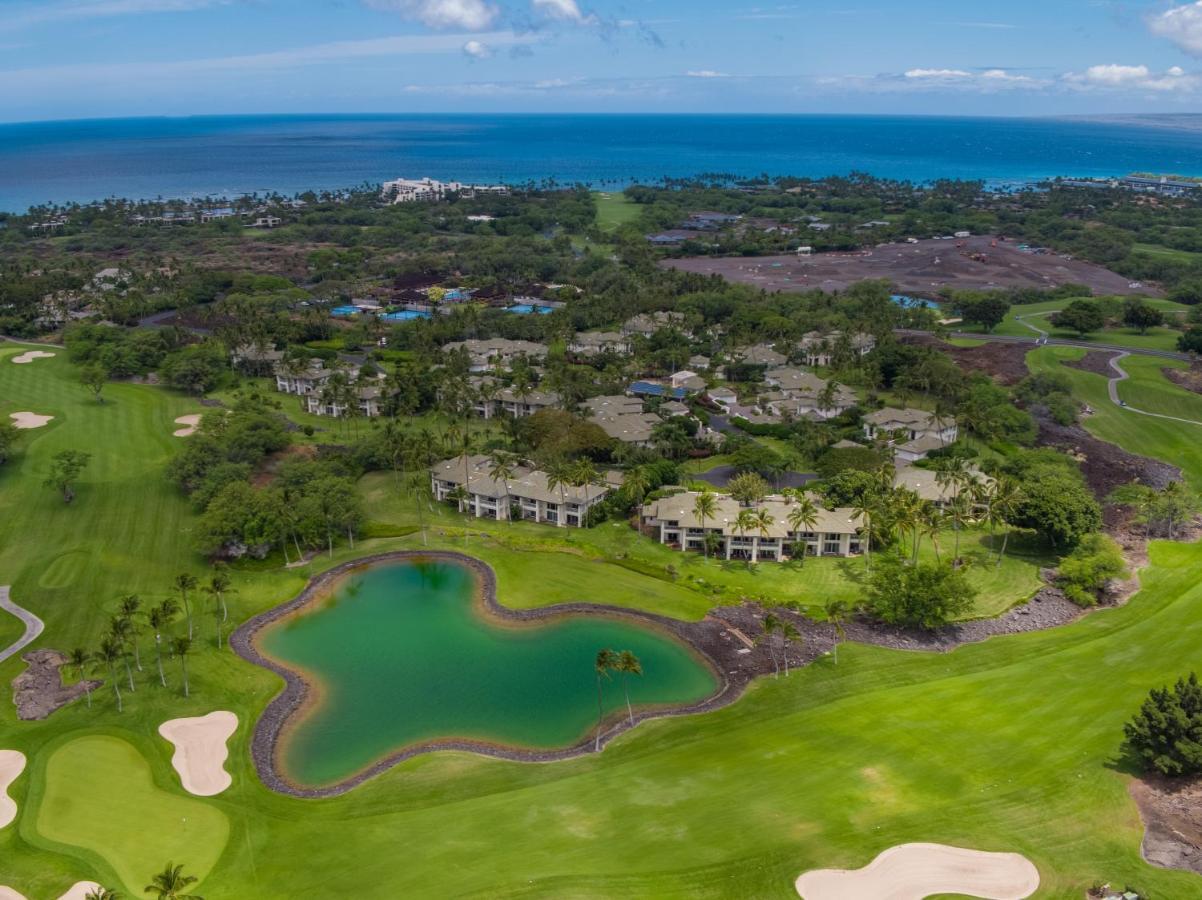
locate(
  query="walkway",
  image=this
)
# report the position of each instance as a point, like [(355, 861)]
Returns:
[(1121, 375), (33, 625)]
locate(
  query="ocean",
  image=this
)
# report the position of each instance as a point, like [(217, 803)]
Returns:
[(82, 161)]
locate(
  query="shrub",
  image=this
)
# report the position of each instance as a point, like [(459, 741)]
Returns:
[(1086, 570), (925, 596), (1166, 733)]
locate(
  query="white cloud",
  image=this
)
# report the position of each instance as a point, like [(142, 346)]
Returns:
[(931, 80), (1113, 76), (938, 73), (477, 50), (706, 73), (562, 11), (470, 15), (1182, 25)]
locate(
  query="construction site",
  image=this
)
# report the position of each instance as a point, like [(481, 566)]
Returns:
[(927, 268)]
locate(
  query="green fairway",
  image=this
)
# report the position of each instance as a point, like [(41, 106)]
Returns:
[(1160, 252), (1147, 389), (1013, 744), (1037, 315), (100, 797), (614, 209)]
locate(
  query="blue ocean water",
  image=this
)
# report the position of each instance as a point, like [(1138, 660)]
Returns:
[(180, 157)]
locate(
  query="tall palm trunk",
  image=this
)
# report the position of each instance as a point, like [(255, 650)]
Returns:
[(183, 664), (158, 655), (129, 674), (187, 612), (116, 687), (600, 716), (626, 689)]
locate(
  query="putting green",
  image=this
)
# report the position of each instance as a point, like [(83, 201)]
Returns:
[(100, 796)]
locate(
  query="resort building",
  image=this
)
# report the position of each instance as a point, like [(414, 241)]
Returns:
[(761, 355), (674, 521), (527, 495), (496, 353), (427, 190), (914, 432), (820, 349), (647, 324), (368, 400), (493, 400), (302, 380), (622, 418), (801, 394), (595, 343), (925, 483), (255, 360)]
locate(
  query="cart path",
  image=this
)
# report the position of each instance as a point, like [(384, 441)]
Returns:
[(1121, 376), (33, 625)]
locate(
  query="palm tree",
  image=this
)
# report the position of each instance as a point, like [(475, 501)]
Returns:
[(745, 522), (863, 510), (960, 512), (788, 633), (185, 582), (628, 664), (803, 517), (180, 647), (772, 624), (120, 630), (763, 524), (501, 467), (705, 507), (932, 525), (131, 608), (217, 587), (836, 613), (601, 666), (559, 476), (81, 659), (159, 618), (1005, 496), (636, 484), (171, 883), (109, 654), (101, 893)]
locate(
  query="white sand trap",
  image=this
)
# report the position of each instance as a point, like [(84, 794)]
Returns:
[(200, 751), (12, 764), (915, 871), (7, 893), (189, 423), (30, 355), (29, 419)]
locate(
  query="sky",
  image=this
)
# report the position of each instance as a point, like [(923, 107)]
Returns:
[(66, 59)]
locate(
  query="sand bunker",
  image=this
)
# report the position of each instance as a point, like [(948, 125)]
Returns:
[(12, 764), (915, 871), (30, 355), (200, 751), (29, 420), (189, 423), (77, 891)]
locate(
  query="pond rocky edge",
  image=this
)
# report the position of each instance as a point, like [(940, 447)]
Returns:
[(727, 639)]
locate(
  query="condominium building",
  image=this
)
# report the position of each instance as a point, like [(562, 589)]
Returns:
[(674, 522), (496, 353), (527, 495)]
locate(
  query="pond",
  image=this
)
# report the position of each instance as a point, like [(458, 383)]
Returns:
[(407, 652)]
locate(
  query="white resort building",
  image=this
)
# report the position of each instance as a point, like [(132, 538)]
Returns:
[(913, 432), (496, 353), (527, 495), (674, 521), (427, 190)]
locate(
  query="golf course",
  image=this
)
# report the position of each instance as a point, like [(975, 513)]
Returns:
[(1011, 745)]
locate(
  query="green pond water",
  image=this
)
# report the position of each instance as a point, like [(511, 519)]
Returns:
[(403, 655)]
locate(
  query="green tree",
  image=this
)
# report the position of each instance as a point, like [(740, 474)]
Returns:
[(628, 664), (8, 439), (110, 654), (121, 631), (65, 469), (602, 665), (185, 582), (705, 507), (1166, 734), (803, 517), (788, 635), (131, 611), (836, 612), (94, 377), (926, 596), (1138, 314), (180, 647), (172, 884), (1056, 504), (748, 488), (159, 618), (1094, 562), (102, 893), (1081, 316), (82, 659), (772, 625)]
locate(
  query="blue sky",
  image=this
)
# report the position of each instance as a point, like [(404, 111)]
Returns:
[(91, 58)]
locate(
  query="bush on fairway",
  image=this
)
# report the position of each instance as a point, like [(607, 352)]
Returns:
[(925, 596), (1166, 733)]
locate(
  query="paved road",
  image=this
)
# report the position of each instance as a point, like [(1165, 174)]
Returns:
[(1059, 342), (33, 625), (1121, 375)]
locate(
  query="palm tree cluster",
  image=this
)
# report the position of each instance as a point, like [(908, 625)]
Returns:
[(119, 653), (779, 631), (625, 663)]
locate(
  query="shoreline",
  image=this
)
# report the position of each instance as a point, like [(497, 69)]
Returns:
[(703, 639), (726, 640)]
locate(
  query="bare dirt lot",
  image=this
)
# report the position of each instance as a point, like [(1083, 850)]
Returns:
[(926, 268), (1005, 363), (1172, 815)]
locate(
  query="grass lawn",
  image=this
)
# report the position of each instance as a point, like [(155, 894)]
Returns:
[(1011, 745), (1147, 388), (614, 209), (1157, 250), (100, 796), (1037, 314)]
